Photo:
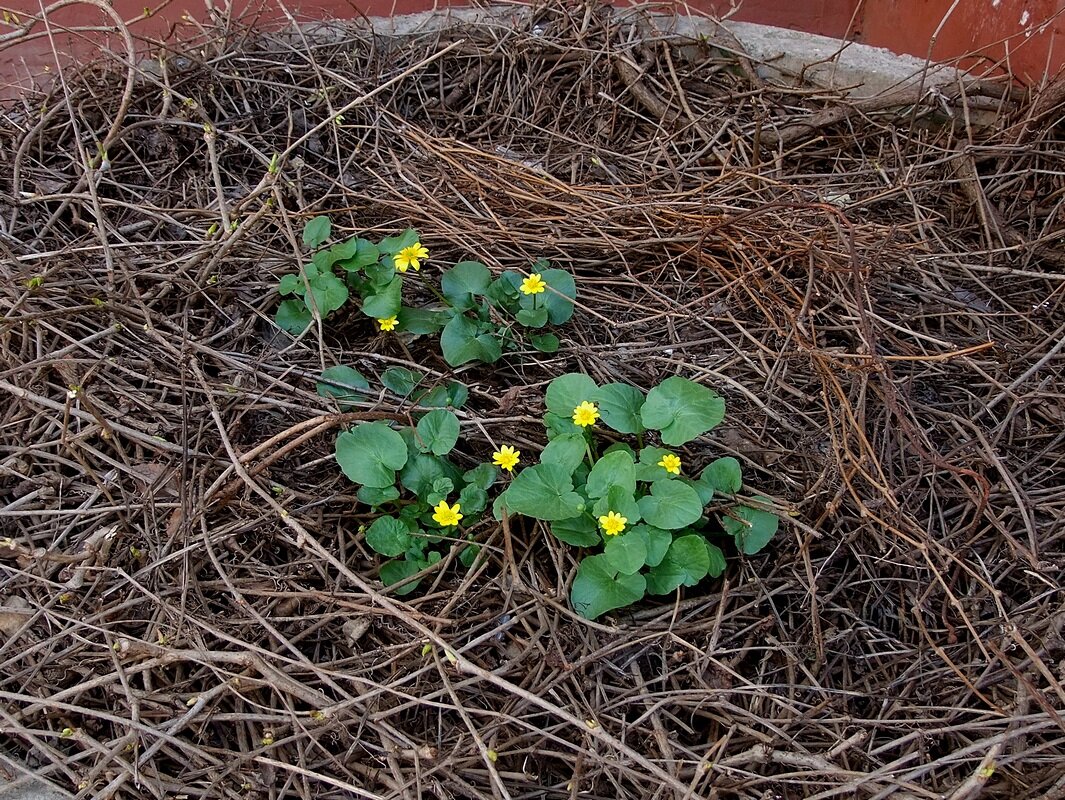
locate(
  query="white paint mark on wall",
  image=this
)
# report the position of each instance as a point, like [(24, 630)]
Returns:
[(1024, 18)]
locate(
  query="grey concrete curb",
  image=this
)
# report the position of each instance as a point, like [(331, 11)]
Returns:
[(779, 55)]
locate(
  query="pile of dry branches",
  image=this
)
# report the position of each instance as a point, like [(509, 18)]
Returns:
[(187, 607)]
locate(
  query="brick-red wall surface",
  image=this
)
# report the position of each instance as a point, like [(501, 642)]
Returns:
[(1025, 35)]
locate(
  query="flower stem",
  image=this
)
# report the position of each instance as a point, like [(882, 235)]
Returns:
[(431, 288)]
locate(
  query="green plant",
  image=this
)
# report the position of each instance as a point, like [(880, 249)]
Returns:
[(478, 317), (405, 475), (654, 524)]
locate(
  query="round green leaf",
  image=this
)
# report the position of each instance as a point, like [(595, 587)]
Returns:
[(346, 384), (752, 528), (468, 555), (464, 280), (438, 431), (545, 343), (717, 560), (568, 391), (620, 404), (453, 393), (656, 542), (687, 562), (599, 588), (422, 471), (473, 500), (386, 302), (388, 536), (681, 409), (618, 499), (290, 284), (545, 492), (393, 244), (566, 450), (559, 296), (316, 231), (724, 475), (647, 469), (374, 496), (483, 476), (612, 469), (293, 316), (395, 572), (354, 254), (671, 505), (626, 553), (370, 454), (461, 341), (420, 321), (329, 293), (532, 317), (558, 425), (580, 531), (400, 380)]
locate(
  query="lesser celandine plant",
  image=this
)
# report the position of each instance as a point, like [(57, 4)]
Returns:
[(643, 523), (655, 523), (478, 317)]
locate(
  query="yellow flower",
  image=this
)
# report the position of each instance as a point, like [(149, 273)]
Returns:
[(670, 463), (534, 284), (410, 257), (585, 414), (445, 515), (388, 323), (506, 457), (613, 523)]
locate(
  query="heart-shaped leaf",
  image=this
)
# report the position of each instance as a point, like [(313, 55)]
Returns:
[(568, 391), (388, 536), (580, 531), (656, 542), (386, 302), (345, 384), (316, 231), (463, 282), (724, 475), (752, 528), (329, 293), (370, 454), (620, 405), (626, 553), (438, 431), (687, 561), (612, 469), (545, 343), (544, 491), (671, 505), (681, 409), (400, 380), (566, 450), (461, 341), (393, 244), (599, 588), (293, 317)]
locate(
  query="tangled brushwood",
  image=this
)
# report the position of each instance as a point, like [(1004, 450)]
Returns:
[(189, 601)]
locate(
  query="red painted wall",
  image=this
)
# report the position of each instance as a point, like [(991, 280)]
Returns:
[(1027, 36)]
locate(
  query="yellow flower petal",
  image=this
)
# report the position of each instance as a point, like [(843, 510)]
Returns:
[(585, 414), (506, 457), (445, 516), (613, 523), (534, 284), (670, 463)]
